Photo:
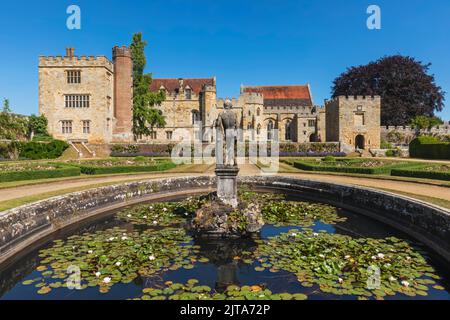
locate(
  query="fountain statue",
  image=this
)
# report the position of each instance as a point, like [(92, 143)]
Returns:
[(226, 165), (225, 216)]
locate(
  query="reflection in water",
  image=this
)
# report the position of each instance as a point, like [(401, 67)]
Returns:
[(222, 253)]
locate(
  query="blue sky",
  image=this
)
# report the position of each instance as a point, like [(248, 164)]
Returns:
[(240, 42)]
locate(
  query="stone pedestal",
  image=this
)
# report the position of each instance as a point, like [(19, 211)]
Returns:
[(227, 184)]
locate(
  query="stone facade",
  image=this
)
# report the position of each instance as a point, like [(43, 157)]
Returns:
[(190, 107), (85, 99), (354, 122)]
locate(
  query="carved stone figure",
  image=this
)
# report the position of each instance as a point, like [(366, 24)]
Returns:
[(226, 126)]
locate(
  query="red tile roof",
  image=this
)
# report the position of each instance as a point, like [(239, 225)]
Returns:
[(172, 84), (283, 95)]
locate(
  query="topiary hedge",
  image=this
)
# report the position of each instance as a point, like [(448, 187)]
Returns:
[(417, 173), (428, 147), (60, 172), (92, 170)]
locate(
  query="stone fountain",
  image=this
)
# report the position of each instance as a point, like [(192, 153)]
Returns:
[(225, 215)]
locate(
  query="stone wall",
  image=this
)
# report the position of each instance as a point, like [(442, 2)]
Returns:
[(23, 226), (96, 81)]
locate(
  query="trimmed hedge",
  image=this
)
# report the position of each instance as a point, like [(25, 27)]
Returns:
[(428, 147), (417, 173), (60, 172), (92, 170), (330, 168)]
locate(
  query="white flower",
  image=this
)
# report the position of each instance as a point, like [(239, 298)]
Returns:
[(145, 217), (152, 258), (90, 251), (347, 257), (315, 234), (186, 214), (111, 239), (124, 238), (98, 274), (405, 283), (321, 255), (408, 258), (340, 280), (118, 263), (151, 208), (293, 234), (129, 215), (387, 265), (107, 280), (381, 256), (155, 222), (374, 257), (392, 279), (165, 209)]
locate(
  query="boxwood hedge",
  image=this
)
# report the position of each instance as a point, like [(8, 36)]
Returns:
[(416, 172), (92, 170), (428, 147), (61, 171), (329, 167)]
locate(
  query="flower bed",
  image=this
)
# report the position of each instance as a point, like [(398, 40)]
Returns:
[(30, 171), (432, 171), (350, 166), (111, 166)]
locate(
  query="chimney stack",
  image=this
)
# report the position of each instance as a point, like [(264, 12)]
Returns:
[(70, 52)]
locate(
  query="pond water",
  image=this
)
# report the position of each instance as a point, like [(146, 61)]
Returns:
[(305, 251)]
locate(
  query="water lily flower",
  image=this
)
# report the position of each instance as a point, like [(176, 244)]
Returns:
[(129, 215), (90, 252), (118, 263), (165, 209), (374, 257), (152, 258), (293, 234), (155, 222), (107, 280), (405, 283), (381, 256), (145, 217), (340, 280), (321, 255), (98, 274), (347, 257), (151, 208), (111, 239), (315, 234), (124, 238), (392, 279), (408, 258)]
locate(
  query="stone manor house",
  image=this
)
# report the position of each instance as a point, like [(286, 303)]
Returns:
[(89, 100)]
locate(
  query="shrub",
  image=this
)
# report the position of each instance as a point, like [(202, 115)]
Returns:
[(60, 172), (429, 147), (385, 145), (37, 150), (329, 159)]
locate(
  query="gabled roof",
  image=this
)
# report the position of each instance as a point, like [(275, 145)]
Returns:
[(298, 95), (171, 85)]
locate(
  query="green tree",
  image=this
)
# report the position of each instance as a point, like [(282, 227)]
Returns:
[(38, 125), (424, 122), (6, 107), (145, 115)]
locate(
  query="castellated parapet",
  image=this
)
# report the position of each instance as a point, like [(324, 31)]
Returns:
[(75, 62)]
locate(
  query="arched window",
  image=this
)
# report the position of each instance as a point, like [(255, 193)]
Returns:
[(258, 112), (288, 131), (258, 130), (269, 130)]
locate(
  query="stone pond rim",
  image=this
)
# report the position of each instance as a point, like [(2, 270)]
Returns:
[(23, 227)]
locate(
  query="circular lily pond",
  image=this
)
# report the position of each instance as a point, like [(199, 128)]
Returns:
[(306, 250)]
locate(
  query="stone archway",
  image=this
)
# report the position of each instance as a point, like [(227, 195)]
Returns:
[(360, 142), (313, 138)]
